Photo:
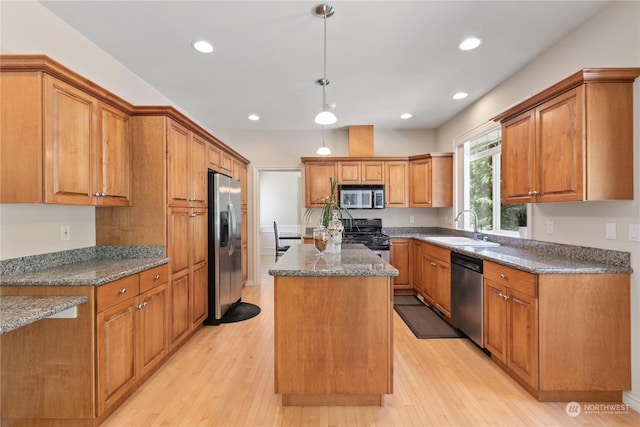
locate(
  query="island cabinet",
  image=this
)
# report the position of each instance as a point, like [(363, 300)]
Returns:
[(400, 258), (556, 334), (436, 277), (64, 140), (571, 142), (431, 180), (328, 350)]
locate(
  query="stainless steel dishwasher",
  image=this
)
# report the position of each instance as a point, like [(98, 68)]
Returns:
[(467, 296)]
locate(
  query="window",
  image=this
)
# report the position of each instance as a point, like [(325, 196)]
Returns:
[(479, 182)]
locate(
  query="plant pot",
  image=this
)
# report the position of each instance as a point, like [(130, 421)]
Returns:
[(522, 231)]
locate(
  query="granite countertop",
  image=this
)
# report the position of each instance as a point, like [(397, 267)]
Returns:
[(93, 272), (539, 257), (18, 311), (353, 260)]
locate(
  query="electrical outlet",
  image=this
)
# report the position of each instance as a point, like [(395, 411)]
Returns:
[(610, 231), (65, 232), (412, 219), (550, 227), (634, 232)]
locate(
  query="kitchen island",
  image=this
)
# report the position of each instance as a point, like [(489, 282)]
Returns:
[(333, 327)]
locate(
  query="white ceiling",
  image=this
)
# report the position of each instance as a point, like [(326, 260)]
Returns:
[(384, 58)]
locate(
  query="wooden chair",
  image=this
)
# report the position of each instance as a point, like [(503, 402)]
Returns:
[(280, 250)]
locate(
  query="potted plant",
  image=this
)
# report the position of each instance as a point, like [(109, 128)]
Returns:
[(520, 217), (331, 216)]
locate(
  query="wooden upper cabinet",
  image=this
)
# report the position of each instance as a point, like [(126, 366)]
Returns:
[(317, 186), (571, 142), (431, 180), (70, 129), (360, 172), (187, 157), (198, 171), (61, 144), (396, 184), (113, 178)]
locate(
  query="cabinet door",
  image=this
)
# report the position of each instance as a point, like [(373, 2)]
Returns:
[(178, 156), (420, 184), (180, 322), (495, 320), (429, 278), (348, 172), (112, 171), (198, 236), (152, 328), (522, 330), (517, 164), (560, 157), (416, 252), (198, 172), (399, 256), (443, 288), (70, 132), (178, 236), (396, 188), (372, 172), (116, 352), (199, 292), (317, 186)]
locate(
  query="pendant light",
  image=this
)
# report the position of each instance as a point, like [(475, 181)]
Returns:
[(325, 117), (323, 150)]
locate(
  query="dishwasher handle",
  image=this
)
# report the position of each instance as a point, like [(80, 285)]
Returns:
[(467, 262)]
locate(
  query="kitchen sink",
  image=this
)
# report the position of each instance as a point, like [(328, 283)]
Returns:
[(460, 241)]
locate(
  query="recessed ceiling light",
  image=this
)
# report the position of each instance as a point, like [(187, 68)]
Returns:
[(460, 95), (202, 46), (253, 117), (470, 43), (406, 116)]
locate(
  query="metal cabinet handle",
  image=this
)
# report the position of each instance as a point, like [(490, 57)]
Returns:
[(533, 193), (122, 291), (503, 276), (433, 264), (141, 306), (156, 277), (503, 296)]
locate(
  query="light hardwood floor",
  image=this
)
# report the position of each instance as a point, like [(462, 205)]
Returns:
[(224, 377)]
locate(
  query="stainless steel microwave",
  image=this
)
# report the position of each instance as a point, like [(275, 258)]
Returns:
[(361, 196)]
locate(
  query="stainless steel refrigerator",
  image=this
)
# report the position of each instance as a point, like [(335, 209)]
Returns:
[(225, 275)]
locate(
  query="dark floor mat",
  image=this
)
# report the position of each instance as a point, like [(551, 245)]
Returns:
[(406, 300), (240, 311), (425, 323)]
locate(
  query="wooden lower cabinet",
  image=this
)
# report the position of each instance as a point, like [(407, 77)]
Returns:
[(131, 334), (557, 334), (180, 321), (435, 274), (400, 258)]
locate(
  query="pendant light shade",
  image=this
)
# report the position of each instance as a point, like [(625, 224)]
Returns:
[(325, 117), (323, 150)]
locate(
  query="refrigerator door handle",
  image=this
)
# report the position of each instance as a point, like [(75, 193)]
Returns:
[(232, 228)]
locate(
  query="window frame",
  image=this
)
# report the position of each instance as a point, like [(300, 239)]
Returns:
[(462, 178)]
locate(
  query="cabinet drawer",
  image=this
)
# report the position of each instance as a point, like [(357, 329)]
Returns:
[(511, 278), (116, 292), (149, 279)]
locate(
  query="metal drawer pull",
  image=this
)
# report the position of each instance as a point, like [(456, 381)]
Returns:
[(503, 276), (156, 277), (122, 291)]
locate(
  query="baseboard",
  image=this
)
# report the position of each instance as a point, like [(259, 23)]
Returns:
[(631, 400)]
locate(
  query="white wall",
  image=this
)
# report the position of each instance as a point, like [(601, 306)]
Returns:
[(610, 39), (280, 201)]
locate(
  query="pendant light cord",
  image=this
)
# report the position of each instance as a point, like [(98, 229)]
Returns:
[(324, 71)]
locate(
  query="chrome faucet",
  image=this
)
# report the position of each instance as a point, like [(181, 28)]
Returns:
[(475, 221)]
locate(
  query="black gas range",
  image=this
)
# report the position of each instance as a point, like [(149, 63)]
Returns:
[(367, 231)]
